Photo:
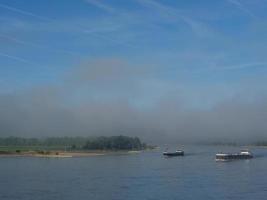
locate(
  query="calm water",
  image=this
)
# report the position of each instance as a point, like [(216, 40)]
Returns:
[(139, 176)]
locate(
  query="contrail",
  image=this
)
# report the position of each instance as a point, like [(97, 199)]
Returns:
[(197, 27), (243, 66), (24, 12), (79, 27), (242, 7), (109, 39), (39, 46), (15, 58), (101, 5)]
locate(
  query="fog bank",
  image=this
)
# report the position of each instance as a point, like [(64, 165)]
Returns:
[(111, 97)]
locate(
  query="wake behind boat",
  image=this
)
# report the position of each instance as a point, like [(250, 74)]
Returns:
[(176, 153), (245, 154)]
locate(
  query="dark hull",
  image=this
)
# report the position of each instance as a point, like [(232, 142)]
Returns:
[(171, 154), (233, 157)]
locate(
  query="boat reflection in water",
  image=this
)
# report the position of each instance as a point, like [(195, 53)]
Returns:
[(245, 154)]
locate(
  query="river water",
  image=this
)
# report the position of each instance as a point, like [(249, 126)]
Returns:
[(146, 175)]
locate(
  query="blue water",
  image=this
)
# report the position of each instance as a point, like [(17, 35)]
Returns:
[(146, 175)]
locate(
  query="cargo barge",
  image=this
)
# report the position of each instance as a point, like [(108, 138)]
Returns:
[(176, 153), (236, 156)]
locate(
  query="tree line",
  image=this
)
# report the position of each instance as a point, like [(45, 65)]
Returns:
[(115, 143), (76, 143)]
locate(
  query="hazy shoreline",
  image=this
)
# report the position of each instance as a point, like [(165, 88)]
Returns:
[(63, 154)]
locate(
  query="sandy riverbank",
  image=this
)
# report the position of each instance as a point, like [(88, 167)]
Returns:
[(63, 154)]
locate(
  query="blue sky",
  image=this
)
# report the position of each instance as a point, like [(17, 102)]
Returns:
[(205, 51), (161, 70)]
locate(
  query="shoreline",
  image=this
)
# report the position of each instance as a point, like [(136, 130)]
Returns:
[(66, 154)]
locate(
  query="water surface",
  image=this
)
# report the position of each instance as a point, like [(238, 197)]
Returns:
[(146, 175)]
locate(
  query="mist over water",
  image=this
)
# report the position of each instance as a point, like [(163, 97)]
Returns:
[(114, 97)]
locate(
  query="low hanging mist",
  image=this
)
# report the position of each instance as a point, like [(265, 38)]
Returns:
[(113, 97)]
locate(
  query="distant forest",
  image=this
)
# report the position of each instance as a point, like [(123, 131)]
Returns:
[(79, 143)]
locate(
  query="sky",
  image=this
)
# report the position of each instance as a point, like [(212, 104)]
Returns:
[(182, 70)]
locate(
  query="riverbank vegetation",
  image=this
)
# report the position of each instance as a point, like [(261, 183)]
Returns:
[(112, 143)]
